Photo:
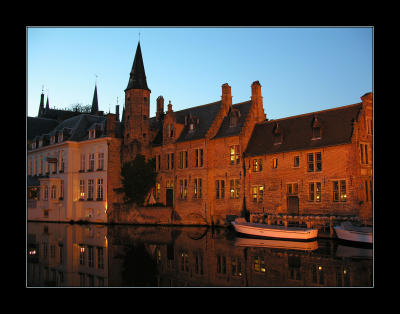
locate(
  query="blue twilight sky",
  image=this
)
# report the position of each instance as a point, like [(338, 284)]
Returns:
[(300, 70)]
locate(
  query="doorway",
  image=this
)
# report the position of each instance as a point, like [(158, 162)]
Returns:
[(293, 205), (169, 197)]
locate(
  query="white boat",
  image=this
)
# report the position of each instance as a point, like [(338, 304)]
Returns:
[(272, 231), (347, 231), (277, 244)]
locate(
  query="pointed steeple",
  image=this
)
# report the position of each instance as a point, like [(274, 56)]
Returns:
[(95, 104), (47, 103), (137, 77), (41, 106)]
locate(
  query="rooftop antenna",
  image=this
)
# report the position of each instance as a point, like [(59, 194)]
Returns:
[(96, 78), (42, 88)]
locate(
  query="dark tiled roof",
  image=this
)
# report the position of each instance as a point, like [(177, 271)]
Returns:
[(225, 129), (80, 126), (137, 77), (206, 115), (58, 114), (336, 128), (38, 126)]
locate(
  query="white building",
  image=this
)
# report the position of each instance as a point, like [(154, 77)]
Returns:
[(68, 169)]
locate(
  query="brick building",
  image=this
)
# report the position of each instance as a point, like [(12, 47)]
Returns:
[(214, 159)]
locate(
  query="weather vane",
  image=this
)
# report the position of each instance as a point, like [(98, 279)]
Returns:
[(139, 36), (96, 78)]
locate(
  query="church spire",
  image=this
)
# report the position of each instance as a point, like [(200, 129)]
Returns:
[(41, 106), (47, 103), (95, 104), (137, 77)]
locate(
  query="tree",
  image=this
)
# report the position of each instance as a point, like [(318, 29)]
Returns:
[(138, 177)]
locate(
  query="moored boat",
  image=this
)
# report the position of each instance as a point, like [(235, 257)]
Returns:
[(272, 231), (349, 232)]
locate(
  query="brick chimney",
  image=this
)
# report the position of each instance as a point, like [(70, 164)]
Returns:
[(257, 102), (160, 107), (111, 120), (226, 98), (170, 106)]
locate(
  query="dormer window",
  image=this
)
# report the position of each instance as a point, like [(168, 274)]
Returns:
[(277, 134), (40, 142), (60, 137), (52, 139), (316, 129), (34, 145), (234, 116), (171, 130), (92, 133)]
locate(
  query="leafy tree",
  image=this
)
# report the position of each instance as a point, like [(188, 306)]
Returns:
[(138, 177)]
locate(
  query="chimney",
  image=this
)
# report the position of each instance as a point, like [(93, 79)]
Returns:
[(111, 119), (170, 106), (160, 107), (257, 102), (226, 97)]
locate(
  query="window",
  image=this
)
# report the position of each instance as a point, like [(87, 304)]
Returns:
[(257, 165), (158, 190), (100, 257), (234, 188), (62, 189), (234, 152), (158, 160), (91, 162), (60, 137), (100, 161), (81, 189), (364, 154), (183, 188), (83, 162), (199, 157), (170, 161), (339, 191), (296, 162), (274, 163), (82, 254), (316, 133), (257, 192), (259, 264), (314, 192), (292, 188), (220, 189), (90, 256), (171, 130), (90, 189), (61, 158), (197, 188), (236, 266), (314, 164), (99, 189), (45, 193), (92, 133)]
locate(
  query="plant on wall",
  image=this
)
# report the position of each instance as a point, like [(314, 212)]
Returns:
[(138, 177)]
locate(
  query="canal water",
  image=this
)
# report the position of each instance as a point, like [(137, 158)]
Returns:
[(72, 255)]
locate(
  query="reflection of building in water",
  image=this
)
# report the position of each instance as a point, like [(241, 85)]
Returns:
[(76, 255), (190, 256), (66, 255)]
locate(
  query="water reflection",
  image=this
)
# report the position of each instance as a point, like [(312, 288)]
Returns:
[(68, 255)]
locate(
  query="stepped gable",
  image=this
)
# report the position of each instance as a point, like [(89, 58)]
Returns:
[(297, 132)]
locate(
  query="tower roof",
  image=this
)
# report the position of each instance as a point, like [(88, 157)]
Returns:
[(137, 77), (95, 104)]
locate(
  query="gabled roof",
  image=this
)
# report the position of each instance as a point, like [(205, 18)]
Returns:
[(336, 128), (206, 115), (227, 130)]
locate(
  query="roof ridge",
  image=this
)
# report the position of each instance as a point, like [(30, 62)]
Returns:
[(311, 113)]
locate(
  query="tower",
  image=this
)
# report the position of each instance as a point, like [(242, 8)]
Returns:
[(137, 110), (41, 106), (95, 103)]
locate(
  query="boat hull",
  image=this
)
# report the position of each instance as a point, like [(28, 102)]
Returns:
[(352, 235), (268, 231)]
